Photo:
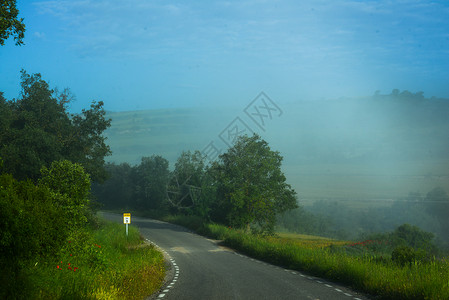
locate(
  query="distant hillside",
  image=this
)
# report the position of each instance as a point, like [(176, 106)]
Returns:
[(377, 147)]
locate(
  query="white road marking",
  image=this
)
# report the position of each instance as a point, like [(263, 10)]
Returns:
[(338, 290), (173, 262), (328, 285), (349, 295)]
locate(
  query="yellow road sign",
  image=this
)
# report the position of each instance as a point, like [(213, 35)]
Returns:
[(126, 218)]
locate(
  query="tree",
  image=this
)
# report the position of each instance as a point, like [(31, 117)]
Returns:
[(437, 205), (184, 187), (150, 182), (10, 25), (117, 190), (37, 129), (72, 183), (251, 187)]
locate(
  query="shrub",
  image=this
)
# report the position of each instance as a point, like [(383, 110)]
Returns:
[(72, 183), (405, 255), (31, 229)]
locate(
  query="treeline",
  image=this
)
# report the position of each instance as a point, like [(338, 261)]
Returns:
[(47, 160), (244, 188), (37, 129), (336, 219)]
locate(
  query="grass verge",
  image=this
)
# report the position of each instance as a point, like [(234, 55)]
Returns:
[(99, 264), (364, 272)]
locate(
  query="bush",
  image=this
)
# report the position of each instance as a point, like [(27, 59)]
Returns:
[(405, 255), (72, 183), (32, 228)]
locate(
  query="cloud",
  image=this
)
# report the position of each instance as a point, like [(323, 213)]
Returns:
[(39, 35), (290, 33)]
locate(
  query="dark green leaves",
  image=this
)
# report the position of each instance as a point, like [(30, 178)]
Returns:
[(37, 129), (251, 187), (10, 24)]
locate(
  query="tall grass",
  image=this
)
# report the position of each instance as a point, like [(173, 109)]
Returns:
[(364, 272), (100, 264)]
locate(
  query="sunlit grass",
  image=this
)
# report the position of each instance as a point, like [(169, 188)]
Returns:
[(363, 265), (307, 241), (100, 264)]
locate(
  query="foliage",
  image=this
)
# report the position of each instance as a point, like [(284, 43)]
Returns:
[(97, 264), (370, 272), (140, 187), (189, 185), (406, 255), (37, 129), (10, 24), (73, 184), (31, 228), (251, 187), (150, 179), (413, 237), (437, 204), (31, 224), (117, 191)]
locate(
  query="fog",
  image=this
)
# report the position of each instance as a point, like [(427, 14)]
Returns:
[(353, 94), (343, 156)]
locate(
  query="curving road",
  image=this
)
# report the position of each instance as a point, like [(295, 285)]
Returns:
[(201, 269)]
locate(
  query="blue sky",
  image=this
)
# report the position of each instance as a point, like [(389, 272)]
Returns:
[(144, 54)]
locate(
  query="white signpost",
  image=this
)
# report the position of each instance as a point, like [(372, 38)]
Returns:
[(126, 221)]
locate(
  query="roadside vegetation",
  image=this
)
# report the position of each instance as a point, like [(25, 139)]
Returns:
[(52, 245), (398, 265), (243, 199)]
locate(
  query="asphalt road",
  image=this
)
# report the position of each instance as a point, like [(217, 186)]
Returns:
[(201, 269)]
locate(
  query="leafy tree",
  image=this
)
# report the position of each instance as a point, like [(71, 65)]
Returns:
[(150, 180), (251, 187), (37, 130), (32, 229), (117, 190), (413, 236), (72, 183), (10, 24), (184, 188), (87, 145), (437, 204)]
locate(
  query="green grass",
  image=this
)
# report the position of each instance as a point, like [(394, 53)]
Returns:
[(100, 264), (365, 269)]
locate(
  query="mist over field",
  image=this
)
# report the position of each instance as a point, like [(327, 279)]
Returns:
[(360, 154), (385, 146), (311, 134)]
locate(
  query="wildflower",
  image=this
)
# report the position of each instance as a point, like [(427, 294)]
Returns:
[(74, 269), (57, 267), (69, 268)]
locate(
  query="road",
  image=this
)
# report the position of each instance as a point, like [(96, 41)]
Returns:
[(201, 269)]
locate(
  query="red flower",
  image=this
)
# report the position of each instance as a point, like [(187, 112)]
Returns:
[(74, 269), (69, 268), (57, 267)]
